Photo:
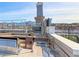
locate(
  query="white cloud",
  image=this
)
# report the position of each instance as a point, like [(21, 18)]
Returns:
[(27, 14), (19, 12), (63, 14), (64, 11)]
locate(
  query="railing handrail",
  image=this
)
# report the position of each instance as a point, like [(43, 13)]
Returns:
[(66, 41), (67, 47)]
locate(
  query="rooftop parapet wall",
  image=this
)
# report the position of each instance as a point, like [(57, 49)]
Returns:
[(63, 46)]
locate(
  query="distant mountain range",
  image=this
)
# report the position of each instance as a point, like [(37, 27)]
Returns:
[(28, 23)]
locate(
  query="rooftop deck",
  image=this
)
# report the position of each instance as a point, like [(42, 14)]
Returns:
[(39, 50), (56, 46)]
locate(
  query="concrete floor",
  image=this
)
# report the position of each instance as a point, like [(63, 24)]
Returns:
[(38, 51)]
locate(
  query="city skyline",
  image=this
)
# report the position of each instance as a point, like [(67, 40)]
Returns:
[(60, 12)]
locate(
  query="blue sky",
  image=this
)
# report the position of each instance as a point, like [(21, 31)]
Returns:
[(19, 11), (60, 12)]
